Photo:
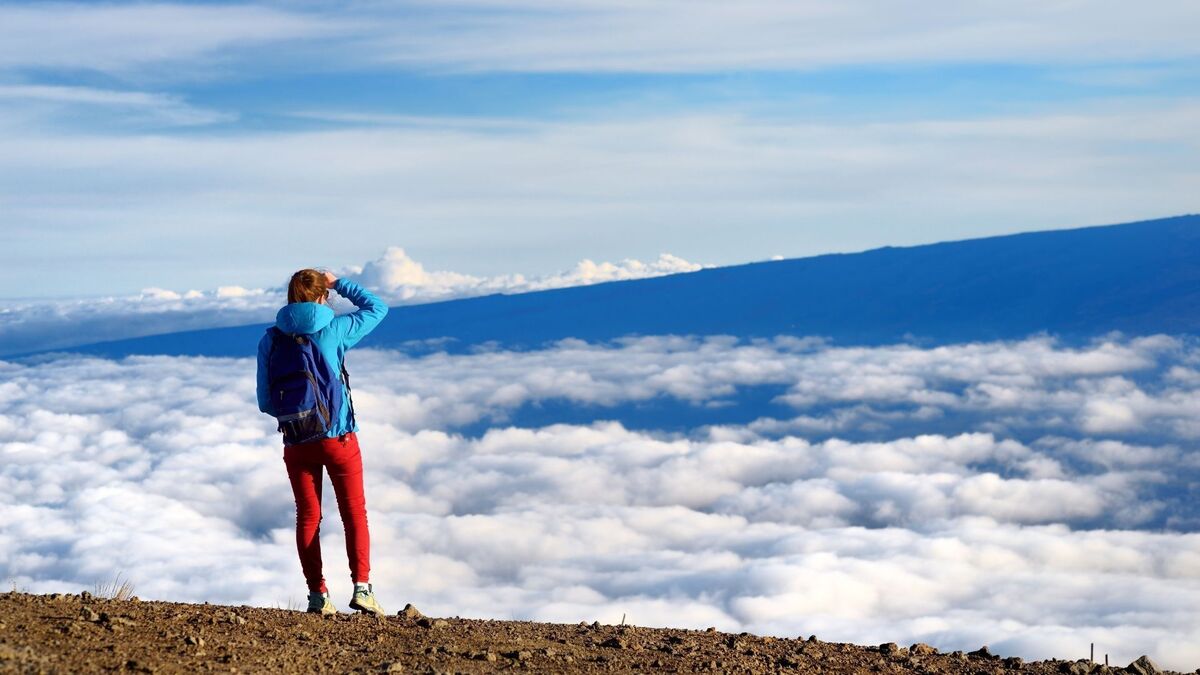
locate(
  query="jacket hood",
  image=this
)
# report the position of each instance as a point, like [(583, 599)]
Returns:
[(303, 318)]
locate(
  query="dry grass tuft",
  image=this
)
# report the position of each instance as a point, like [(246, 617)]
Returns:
[(117, 589)]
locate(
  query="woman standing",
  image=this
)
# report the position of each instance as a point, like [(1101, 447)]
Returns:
[(308, 320)]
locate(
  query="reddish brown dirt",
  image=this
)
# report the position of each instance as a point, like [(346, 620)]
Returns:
[(80, 634)]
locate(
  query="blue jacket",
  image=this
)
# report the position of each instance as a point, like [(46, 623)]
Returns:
[(333, 335)]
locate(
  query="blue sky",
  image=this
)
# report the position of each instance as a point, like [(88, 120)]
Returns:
[(193, 145)]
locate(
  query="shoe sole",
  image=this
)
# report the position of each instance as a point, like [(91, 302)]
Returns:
[(377, 611)]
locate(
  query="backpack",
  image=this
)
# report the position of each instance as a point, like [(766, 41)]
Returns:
[(306, 392)]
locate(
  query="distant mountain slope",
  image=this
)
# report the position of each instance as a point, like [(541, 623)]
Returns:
[(1138, 278)]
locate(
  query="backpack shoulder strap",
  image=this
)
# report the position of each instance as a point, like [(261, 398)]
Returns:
[(274, 333), (349, 396)]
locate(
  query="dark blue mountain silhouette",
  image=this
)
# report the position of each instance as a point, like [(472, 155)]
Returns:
[(1138, 278)]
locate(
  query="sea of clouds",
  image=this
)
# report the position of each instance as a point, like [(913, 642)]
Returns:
[(1028, 495), (37, 325)]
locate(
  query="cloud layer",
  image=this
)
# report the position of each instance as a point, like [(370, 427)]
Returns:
[(974, 493)]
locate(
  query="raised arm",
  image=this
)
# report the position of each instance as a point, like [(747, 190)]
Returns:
[(371, 310)]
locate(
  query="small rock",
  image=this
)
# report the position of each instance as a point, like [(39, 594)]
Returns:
[(958, 655), (812, 638), (194, 640), (549, 652), (524, 655), (85, 596), (1013, 662), (614, 643), (569, 659), (889, 648), (982, 653), (87, 614), (922, 649), (1080, 667), (116, 623), (787, 662), (595, 625), (395, 667), (410, 612), (710, 629), (1142, 666)]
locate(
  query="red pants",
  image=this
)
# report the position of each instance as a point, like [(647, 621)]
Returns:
[(305, 462)]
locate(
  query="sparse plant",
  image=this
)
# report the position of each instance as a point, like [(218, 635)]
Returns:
[(117, 589), (292, 604)]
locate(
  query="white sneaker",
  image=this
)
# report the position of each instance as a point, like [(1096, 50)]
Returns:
[(364, 601), (319, 603)]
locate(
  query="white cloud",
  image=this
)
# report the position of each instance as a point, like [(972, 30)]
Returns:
[(128, 38), (1034, 382), (138, 106), (701, 173), (400, 278), (37, 325), (542, 35), (151, 464), (588, 36)]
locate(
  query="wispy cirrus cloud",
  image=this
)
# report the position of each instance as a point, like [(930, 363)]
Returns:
[(586, 36), (203, 123), (684, 182), (130, 107), (129, 38)]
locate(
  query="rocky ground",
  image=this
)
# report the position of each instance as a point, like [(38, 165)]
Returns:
[(80, 633)]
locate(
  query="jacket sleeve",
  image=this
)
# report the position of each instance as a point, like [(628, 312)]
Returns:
[(264, 393), (351, 328)]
